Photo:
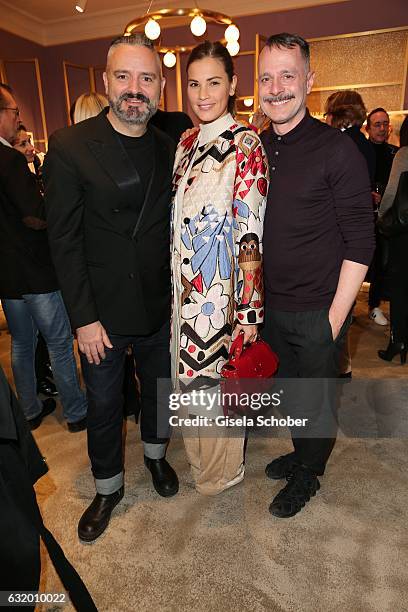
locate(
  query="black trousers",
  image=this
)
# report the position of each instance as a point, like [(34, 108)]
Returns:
[(104, 385), (398, 258), (306, 350), (376, 275)]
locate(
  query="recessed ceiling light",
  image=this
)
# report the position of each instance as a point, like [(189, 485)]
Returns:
[(81, 6)]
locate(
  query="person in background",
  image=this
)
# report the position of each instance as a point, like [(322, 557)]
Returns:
[(86, 106), (318, 242), (378, 128), (398, 257), (220, 183), (172, 123), (29, 288), (43, 370), (22, 142), (21, 525), (346, 111)]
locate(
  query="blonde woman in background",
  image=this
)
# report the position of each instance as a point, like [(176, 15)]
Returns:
[(87, 105)]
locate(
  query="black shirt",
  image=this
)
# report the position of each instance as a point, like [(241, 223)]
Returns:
[(319, 212), (366, 149), (385, 154), (140, 151)]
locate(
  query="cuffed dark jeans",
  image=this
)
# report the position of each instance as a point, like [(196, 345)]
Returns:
[(305, 347), (104, 384)]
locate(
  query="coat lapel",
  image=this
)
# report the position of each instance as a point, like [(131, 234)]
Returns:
[(161, 174), (108, 149)]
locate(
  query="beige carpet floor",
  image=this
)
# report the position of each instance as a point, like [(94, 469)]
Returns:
[(347, 551)]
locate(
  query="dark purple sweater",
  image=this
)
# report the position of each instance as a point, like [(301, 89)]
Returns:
[(319, 213)]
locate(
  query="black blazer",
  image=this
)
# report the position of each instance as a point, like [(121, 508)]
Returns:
[(25, 260), (112, 264)]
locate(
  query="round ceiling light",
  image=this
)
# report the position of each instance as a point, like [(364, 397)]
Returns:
[(198, 25), (231, 33), (248, 102), (152, 29), (233, 47), (169, 59)]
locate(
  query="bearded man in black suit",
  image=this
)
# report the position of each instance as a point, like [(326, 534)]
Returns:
[(108, 192)]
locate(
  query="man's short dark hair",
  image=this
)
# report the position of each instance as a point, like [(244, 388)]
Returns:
[(3, 88), (138, 40), (376, 110), (290, 41)]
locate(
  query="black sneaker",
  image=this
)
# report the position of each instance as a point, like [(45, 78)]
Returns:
[(282, 467), (302, 485), (48, 407)]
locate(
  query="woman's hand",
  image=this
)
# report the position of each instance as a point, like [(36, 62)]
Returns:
[(250, 332)]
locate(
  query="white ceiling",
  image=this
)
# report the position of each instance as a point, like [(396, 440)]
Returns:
[(50, 22)]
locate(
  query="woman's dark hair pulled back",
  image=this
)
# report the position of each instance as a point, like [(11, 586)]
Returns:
[(217, 51)]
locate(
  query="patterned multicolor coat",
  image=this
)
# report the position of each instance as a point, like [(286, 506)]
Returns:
[(220, 184)]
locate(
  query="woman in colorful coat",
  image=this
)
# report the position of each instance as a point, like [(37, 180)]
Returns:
[(220, 183)]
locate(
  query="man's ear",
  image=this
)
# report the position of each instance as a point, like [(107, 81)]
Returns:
[(105, 82), (309, 81)]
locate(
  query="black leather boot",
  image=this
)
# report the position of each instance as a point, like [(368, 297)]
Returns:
[(393, 349), (96, 517), (164, 478)]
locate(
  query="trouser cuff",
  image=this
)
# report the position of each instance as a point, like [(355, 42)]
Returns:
[(154, 451), (107, 486)]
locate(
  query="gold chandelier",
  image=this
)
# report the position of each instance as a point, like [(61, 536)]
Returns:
[(198, 25)]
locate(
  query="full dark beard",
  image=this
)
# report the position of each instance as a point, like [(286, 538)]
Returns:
[(133, 115)]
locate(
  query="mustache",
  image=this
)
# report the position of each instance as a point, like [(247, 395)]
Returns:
[(278, 98), (128, 95)]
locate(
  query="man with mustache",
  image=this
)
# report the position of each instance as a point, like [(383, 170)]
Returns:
[(107, 188), (318, 243)]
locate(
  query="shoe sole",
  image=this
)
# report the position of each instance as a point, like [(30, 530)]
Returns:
[(159, 492), (292, 513), (87, 540), (285, 475), (165, 494)]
